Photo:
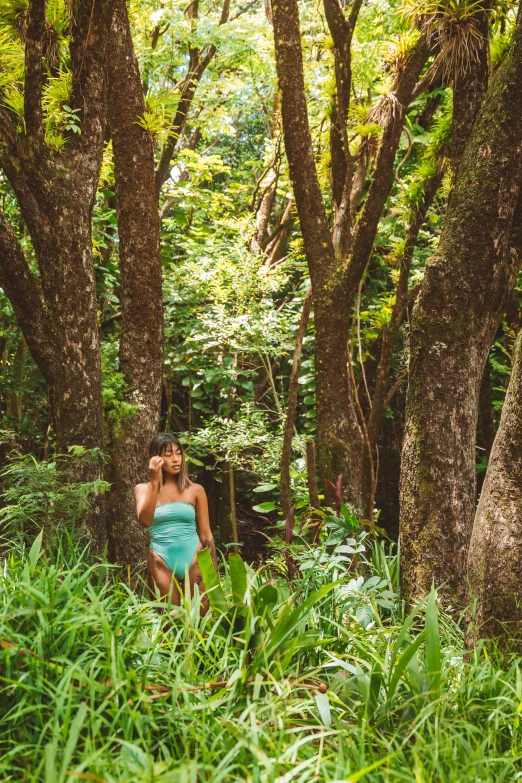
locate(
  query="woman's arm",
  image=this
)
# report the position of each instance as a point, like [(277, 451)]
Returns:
[(203, 523), (147, 494)]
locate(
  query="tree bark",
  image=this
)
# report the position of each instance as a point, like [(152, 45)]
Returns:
[(227, 511), (264, 210), (495, 554), (276, 246), (469, 86), (141, 340), (56, 195), (390, 332), (486, 414), (342, 162), (395, 106), (339, 434), (453, 324), (25, 294)]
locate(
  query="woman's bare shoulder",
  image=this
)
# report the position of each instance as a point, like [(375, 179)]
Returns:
[(198, 490), (140, 489)]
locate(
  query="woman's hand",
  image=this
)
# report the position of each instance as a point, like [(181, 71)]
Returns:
[(155, 465)]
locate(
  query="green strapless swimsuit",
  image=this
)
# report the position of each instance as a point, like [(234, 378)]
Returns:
[(173, 535)]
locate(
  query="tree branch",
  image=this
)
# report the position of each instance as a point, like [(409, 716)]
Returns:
[(286, 451), (390, 332), (432, 74), (90, 28), (396, 105), (341, 30), (198, 63), (23, 291), (33, 82)]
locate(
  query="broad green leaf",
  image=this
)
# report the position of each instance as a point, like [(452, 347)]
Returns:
[(376, 681), (404, 632), (288, 622), (364, 614), (213, 588), (323, 705), (268, 506), (238, 578), (402, 664), (72, 740), (265, 488), (266, 598), (36, 549)]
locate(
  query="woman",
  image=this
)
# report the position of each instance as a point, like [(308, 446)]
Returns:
[(176, 512)]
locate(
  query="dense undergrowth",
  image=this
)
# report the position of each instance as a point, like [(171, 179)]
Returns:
[(321, 677)]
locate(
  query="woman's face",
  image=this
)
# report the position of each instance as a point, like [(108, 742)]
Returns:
[(172, 459)]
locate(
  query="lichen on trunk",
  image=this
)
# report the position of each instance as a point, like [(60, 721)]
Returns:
[(454, 320)]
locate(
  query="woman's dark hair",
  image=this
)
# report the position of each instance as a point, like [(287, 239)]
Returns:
[(159, 444)]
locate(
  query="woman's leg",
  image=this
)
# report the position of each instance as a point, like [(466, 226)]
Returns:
[(196, 578), (161, 575)]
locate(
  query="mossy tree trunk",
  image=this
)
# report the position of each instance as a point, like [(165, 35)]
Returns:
[(495, 554), (340, 440), (454, 320), (141, 336), (293, 386), (336, 261), (57, 310)]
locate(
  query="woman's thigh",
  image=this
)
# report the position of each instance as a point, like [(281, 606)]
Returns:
[(161, 576), (195, 577)]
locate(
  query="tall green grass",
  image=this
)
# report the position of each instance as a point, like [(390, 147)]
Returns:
[(322, 679)]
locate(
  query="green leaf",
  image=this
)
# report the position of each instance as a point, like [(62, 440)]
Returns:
[(72, 740), (194, 461), (376, 681), (403, 634), (356, 776), (238, 578), (323, 705), (266, 598), (36, 549), (264, 488), (402, 664), (213, 588), (268, 506), (288, 622), (364, 614)]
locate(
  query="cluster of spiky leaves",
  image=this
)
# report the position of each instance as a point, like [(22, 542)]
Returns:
[(57, 114)]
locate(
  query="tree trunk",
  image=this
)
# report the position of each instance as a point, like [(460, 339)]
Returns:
[(56, 194), (390, 332), (486, 413), (286, 451), (495, 554), (453, 324), (227, 511), (340, 440), (264, 210), (141, 340), (469, 86), (275, 248)]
